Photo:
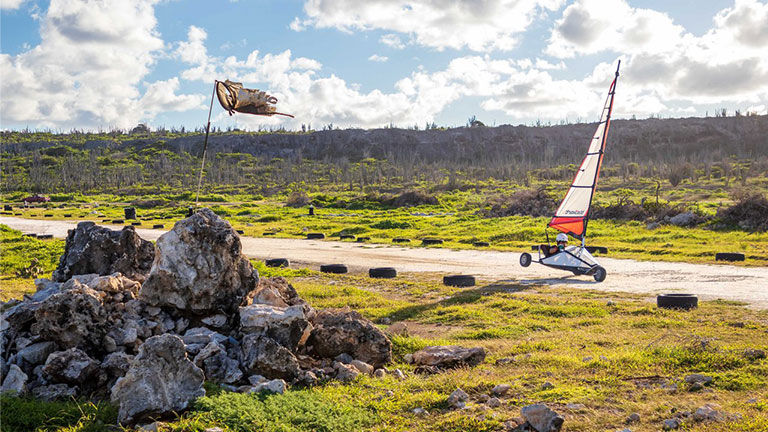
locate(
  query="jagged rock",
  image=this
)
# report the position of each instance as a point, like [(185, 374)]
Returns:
[(363, 367), (72, 366), (458, 399), (707, 413), (285, 325), (500, 390), (344, 358), (37, 353), (44, 288), (698, 378), (15, 381), (199, 267), (161, 379), (346, 331), (215, 321), (633, 418), (264, 356), (53, 392), (276, 291), (449, 356), (116, 365), (94, 249), (272, 386), (541, 418), (218, 367), (379, 373), (493, 402), (398, 329), (344, 372), (19, 318), (671, 424), (684, 219), (73, 319)]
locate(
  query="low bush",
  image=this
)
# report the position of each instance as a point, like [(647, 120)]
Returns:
[(750, 212), (528, 202), (298, 199)]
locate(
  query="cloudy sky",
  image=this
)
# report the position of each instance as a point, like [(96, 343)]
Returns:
[(102, 64)]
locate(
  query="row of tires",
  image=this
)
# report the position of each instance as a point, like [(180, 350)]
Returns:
[(424, 242), (376, 272)]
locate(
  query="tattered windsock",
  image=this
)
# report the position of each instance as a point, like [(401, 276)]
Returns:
[(234, 97)]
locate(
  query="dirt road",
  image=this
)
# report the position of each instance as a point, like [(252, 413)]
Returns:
[(708, 281)]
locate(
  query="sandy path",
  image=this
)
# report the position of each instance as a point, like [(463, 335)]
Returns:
[(707, 281)]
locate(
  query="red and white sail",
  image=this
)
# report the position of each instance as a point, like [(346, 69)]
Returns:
[(572, 215)]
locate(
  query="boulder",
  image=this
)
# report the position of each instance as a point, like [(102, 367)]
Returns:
[(94, 249), (37, 353), (276, 291), (15, 381), (346, 331), (199, 268), (116, 365), (541, 418), (684, 219), (53, 392), (458, 399), (161, 379), (263, 355), (286, 325), (218, 367), (449, 356), (72, 366), (73, 319)]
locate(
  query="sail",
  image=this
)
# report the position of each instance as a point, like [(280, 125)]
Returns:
[(572, 215)]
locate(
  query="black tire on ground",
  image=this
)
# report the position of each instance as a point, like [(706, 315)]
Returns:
[(105, 220), (431, 241), (525, 259), (382, 272), (129, 212), (156, 226), (315, 236), (599, 274), (240, 232), (459, 280), (334, 268), (597, 249), (401, 240), (481, 244), (45, 236), (8, 207), (363, 239), (118, 221), (729, 256), (67, 215), (48, 215), (29, 235), (277, 262), (346, 237), (18, 214), (136, 223), (677, 301), (268, 233)]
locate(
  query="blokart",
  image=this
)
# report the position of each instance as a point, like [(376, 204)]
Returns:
[(572, 216)]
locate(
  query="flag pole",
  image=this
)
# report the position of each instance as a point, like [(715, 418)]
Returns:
[(205, 146)]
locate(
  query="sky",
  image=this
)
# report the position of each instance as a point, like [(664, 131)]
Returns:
[(108, 64)]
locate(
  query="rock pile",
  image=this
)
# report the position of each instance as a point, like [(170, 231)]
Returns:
[(111, 326)]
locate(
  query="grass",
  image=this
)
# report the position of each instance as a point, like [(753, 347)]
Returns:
[(614, 353), (16, 253)]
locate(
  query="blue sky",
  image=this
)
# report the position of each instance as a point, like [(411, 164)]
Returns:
[(113, 63)]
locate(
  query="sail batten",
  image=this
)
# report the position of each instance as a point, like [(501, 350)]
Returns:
[(572, 215)]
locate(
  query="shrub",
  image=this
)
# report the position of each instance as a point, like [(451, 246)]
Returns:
[(298, 199), (528, 202), (409, 199), (750, 212)]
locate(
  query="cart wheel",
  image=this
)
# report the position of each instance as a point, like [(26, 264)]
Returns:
[(599, 274), (525, 259)]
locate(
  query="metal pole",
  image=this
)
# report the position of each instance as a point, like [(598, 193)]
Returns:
[(205, 146)]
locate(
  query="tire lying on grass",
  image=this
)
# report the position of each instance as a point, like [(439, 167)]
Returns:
[(677, 301), (481, 244), (277, 262), (117, 221), (401, 240), (156, 226), (729, 256), (268, 233), (363, 239), (315, 236), (334, 268), (45, 236), (346, 237), (431, 241), (241, 232), (382, 272), (459, 280)]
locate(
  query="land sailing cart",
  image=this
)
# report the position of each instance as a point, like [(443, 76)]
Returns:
[(572, 216)]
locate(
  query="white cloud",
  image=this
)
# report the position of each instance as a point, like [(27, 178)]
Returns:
[(11, 4), (664, 63), (86, 69), (477, 25), (161, 97), (378, 58), (392, 40)]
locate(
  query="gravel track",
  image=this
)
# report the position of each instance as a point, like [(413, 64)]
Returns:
[(747, 284)]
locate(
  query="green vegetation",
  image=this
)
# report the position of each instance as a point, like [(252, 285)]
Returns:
[(614, 357)]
